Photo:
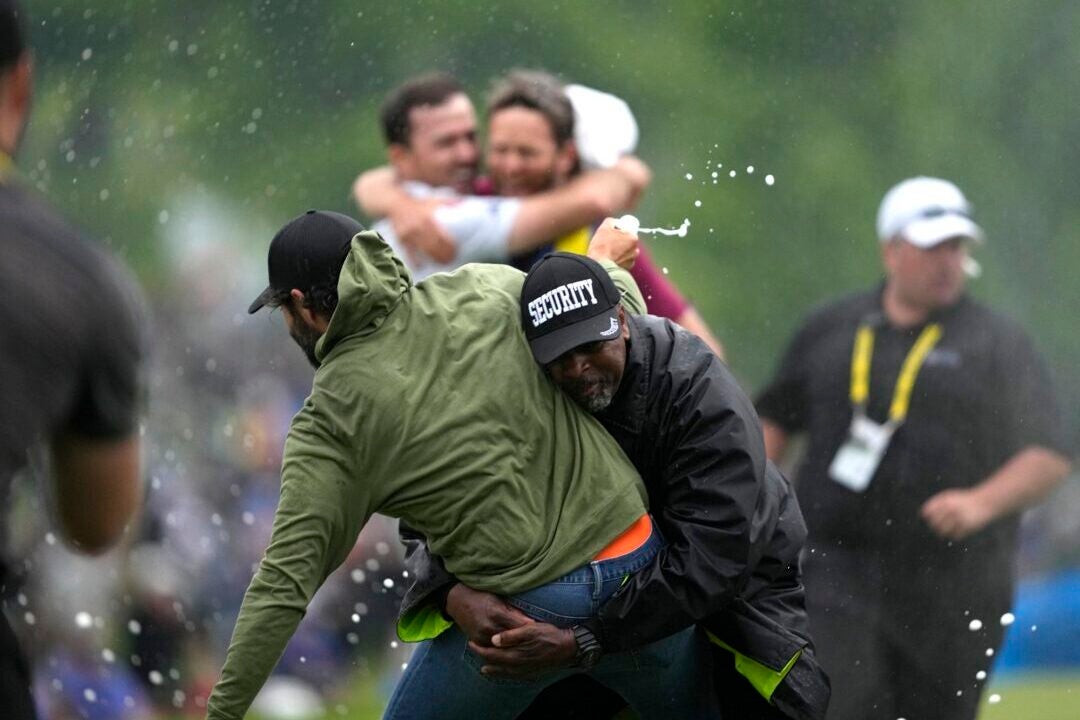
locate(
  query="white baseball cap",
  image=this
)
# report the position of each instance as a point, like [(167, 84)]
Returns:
[(926, 211), (604, 126)]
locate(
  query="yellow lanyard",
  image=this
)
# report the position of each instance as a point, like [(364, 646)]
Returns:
[(6, 165), (860, 369)]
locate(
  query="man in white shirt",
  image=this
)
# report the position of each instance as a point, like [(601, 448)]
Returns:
[(440, 217)]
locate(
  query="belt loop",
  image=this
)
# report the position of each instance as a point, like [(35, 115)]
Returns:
[(598, 585)]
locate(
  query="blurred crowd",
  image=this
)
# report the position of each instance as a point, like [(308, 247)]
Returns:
[(145, 627)]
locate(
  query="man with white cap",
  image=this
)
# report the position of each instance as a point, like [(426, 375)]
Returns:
[(559, 159), (930, 424)]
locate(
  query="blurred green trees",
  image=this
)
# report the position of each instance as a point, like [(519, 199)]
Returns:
[(267, 107)]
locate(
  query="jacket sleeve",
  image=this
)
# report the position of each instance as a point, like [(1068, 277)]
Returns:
[(421, 615), (319, 515), (712, 481), (632, 298)]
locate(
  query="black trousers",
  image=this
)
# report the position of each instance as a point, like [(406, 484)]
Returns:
[(887, 658), (15, 698)]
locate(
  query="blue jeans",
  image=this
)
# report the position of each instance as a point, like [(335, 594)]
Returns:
[(670, 678)]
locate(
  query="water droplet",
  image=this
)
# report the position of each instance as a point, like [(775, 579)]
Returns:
[(83, 619), (975, 624), (749, 169), (981, 675), (87, 53), (769, 180), (731, 174), (697, 203), (689, 176), (90, 695), (108, 655), (134, 627), (155, 677), (994, 699), (388, 583), (1007, 619), (357, 576), (989, 652), (356, 617)]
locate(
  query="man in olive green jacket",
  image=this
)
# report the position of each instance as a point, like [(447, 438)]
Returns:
[(426, 406)]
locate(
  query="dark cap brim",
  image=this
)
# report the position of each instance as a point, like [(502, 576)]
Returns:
[(264, 297), (549, 347)]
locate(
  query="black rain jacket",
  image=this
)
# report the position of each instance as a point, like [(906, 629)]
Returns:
[(732, 526)]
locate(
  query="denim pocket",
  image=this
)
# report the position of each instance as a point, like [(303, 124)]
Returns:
[(475, 662)]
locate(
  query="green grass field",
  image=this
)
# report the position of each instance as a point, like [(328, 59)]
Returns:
[(1031, 697)]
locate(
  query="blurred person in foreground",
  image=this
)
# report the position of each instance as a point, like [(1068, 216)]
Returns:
[(559, 160), (426, 406), (931, 425), (732, 558), (70, 351)]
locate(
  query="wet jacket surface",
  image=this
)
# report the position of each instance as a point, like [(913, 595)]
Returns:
[(732, 525), (428, 406)]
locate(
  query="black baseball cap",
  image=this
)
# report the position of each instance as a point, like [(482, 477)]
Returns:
[(568, 300), (307, 251)]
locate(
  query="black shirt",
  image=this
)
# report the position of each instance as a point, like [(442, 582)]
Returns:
[(70, 334), (981, 395)]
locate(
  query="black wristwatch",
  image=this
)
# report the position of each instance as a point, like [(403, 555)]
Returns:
[(589, 649)]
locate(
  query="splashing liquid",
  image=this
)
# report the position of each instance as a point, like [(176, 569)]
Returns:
[(631, 224)]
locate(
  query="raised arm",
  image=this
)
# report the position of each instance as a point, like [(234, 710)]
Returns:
[(378, 194), (582, 201)]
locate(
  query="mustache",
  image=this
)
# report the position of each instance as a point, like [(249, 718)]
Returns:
[(579, 385)]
